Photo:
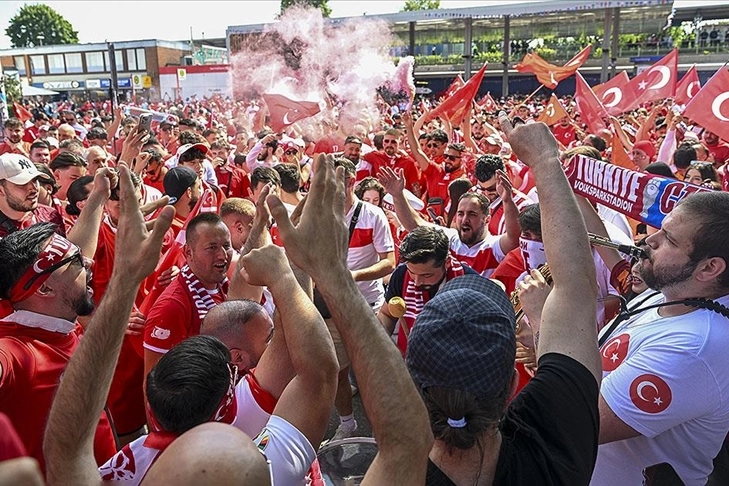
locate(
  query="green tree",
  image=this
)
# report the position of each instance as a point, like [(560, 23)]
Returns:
[(322, 5), (413, 5), (13, 90), (39, 24)]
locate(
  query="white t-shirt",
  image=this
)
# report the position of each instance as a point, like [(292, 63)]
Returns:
[(288, 450), (371, 236), (667, 378), (483, 257)]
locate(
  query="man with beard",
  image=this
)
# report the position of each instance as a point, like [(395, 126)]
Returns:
[(201, 284), (470, 240), (352, 151), (665, 381), (19, 206), (263, 153), (46, 280), (426, 265), (438, 175), (717, 148), (184, 188), (390, 156), (14, 143)]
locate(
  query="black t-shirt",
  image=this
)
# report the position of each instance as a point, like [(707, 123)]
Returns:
[(550, 429), (397, 280)]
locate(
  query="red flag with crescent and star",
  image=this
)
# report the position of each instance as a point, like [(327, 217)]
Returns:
[(488, 104), (553, 112), (285, 111), (589, 106), (455, 107), (709, 107), (610, 93), (658, 82), (457, 84), (688, 86), (21, 112)]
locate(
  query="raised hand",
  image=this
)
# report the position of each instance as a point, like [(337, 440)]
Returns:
[(533, 143), (137, 250), (264, 267), (393, 181), (503, 186)]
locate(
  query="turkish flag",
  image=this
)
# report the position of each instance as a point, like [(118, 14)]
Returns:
[(21, 113), (688, 86), (658, 82), (488, 104), (285, 111), (549, 74), (589, 106), (208, 203), (553, 112), (610, 93), (455, 107), (709, 107), (455, 86)]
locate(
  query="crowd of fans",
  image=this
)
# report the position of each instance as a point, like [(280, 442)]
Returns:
[(188, 300)]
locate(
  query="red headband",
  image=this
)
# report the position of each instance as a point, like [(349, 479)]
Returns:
[(53, 253)]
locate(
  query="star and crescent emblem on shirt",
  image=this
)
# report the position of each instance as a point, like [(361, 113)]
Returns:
[(650, 393), (614, 352)]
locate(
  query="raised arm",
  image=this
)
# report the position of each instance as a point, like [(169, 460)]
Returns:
[(568, 318), (394, 183), (393, 405), (422, 160), (85, 233), (510, 239), (69, 438), (309, 344)]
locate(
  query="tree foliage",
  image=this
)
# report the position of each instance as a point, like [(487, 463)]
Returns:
[(13, 90), (39, 24), (413, 5), (322, 5)]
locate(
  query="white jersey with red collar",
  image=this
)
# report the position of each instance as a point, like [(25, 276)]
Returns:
[(483, 257)]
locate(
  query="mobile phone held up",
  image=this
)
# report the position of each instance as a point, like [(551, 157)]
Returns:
[(145, 122)]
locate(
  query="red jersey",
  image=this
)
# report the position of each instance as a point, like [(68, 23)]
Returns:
[(329, 145), (496, 223), (31, 134), (720, 151), (41, 214), (23, 148), (437, 183), (11, 447), (234, 182), (564, 135), (34, 352), (399, 161), (174, 318)]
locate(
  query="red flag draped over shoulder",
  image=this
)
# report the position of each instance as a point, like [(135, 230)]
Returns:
[(549, 74), (589, 106), (710, 107), (21, 113), (455, 107), (611, 92), (553, 112), (285, 111), (688, 86)]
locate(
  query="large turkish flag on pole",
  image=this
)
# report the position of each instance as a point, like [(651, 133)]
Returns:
[(285, 111), (589, 106)]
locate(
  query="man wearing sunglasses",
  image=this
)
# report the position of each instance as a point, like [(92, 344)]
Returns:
[(46, 280)]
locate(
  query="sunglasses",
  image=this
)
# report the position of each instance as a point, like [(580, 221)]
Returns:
[(291, 152), (433, 145), (53, 268), (452, 157)]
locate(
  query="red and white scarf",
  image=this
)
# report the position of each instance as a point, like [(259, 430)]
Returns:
[(200, 296), (415, 299)]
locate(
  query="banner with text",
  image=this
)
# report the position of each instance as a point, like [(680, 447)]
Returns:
[(641, 196)]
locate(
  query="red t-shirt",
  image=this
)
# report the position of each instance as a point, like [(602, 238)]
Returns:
[(11, 447), (41, 214), (564, 135), (233, 183), (720, 151), (399, 161), (173, 318), (33, 360), (437, 183), (5, 148), (329, 145)]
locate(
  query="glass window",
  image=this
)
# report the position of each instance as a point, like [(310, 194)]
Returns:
[(131, 59), (20, 65), (37, 65), (73, 63), (95, 62), (56, 64), (141, 60), (119, 56)]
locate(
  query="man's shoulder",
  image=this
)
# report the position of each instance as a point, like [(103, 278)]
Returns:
[(175, 296)]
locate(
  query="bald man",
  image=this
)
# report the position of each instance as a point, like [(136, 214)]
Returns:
[(96, 157), (66, 132)]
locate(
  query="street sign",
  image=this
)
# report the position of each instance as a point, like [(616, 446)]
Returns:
[(181, 74), (146, 82)]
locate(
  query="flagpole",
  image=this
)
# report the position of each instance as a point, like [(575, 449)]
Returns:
[(513, 110)]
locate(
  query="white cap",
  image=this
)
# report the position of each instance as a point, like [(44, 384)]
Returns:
[(17, 169), (414, 201)]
